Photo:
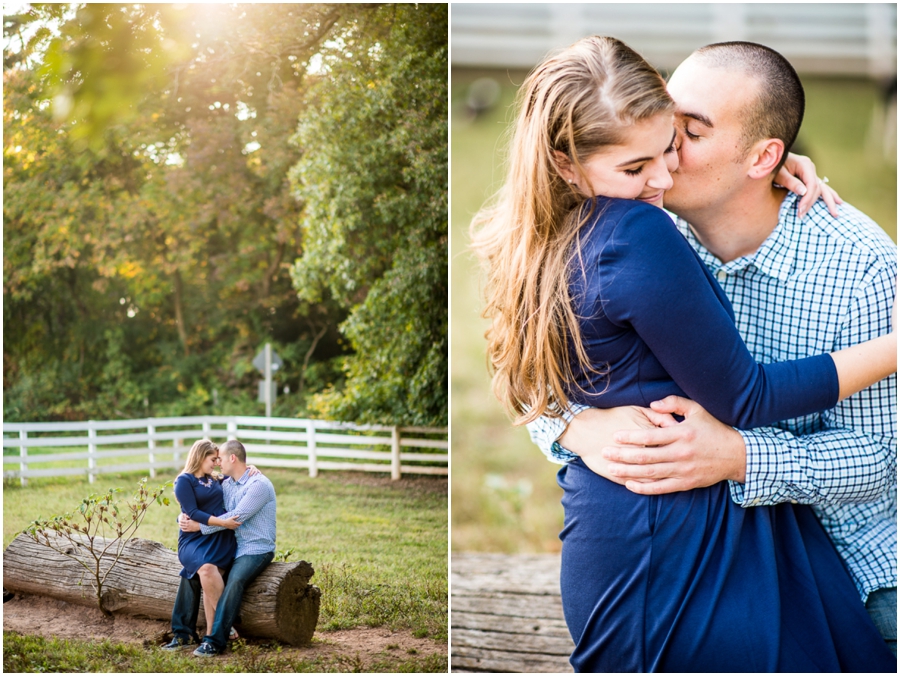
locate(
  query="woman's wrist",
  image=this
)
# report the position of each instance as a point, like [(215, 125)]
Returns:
[(863, 365)]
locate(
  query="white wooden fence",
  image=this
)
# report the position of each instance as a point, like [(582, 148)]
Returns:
[(99, 447), (827, 38)]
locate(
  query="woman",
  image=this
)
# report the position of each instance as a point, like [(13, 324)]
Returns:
[(685, 581), (200, 495)]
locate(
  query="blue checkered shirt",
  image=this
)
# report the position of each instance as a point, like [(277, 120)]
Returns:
[(252, 500), (814, 286)]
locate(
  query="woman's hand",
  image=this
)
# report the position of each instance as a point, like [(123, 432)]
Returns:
[(593, 429), (253, 470), (799, 175), (231, 523)]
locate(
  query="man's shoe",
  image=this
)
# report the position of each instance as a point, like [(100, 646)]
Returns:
[(178, 643), (206, 649)]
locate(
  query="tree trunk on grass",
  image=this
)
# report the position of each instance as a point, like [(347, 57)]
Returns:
[(279, 604)]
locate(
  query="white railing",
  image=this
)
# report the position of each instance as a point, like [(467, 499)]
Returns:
[(98, 447), (828, 38)]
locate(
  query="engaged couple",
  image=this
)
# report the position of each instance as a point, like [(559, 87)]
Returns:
[(227, 539), (692, 545)]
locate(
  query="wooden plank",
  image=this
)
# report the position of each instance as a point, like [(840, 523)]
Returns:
[(507, 614), (521, 573), (498, 661), (416, 469), (542, 626), (503, 641), (510, 605)]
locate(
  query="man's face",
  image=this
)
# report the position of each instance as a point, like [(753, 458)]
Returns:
[(226, 462), (709, 104)]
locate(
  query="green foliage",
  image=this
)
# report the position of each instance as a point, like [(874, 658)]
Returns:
[(149, 222), (99, 531), (373, 176)]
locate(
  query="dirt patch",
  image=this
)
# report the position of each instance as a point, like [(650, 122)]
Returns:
[(50, 618)]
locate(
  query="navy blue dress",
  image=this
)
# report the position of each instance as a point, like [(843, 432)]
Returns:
[(690, 581), (200, 499)]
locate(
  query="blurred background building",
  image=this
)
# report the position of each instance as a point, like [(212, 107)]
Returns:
[(504, 493)]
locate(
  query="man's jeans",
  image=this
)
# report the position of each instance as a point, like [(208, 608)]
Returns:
[(243, 571), (882, 607), (187, 601)]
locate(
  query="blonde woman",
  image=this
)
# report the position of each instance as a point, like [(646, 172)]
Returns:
[(199, 493), (595, 297)]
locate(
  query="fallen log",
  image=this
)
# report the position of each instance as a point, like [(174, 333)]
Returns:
[(279, 604)]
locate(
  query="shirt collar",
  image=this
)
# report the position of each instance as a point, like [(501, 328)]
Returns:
[(775, 257), (244, 477)]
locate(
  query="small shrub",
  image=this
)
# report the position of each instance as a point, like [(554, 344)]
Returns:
[(102, 525)]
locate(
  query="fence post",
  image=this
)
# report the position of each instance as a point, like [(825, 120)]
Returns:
[(23, 459), (177, 445), (92, 450), (207, 430), (395, 453), (151, 444), (311, 449), (232, 430)]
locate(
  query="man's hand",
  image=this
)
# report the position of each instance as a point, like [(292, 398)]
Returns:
[(695, 453), (187, 524), (593, 429)]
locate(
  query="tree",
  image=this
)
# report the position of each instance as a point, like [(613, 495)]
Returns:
[(373, 178), (150, 223)]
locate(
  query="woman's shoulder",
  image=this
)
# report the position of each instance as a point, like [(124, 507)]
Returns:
[(631, 213), (186, 479), (615, 222)]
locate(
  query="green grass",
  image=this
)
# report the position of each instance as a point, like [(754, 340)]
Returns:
[(28, 654), (504, 493), (379, 548)]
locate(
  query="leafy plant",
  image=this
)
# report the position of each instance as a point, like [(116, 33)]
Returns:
[(283, 555), (96, 534)]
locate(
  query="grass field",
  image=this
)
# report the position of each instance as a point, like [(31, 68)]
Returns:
[(32, 654), (379, 549), (504, 493)]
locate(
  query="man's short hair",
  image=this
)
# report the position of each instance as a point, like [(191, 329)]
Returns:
[(234, 447), (778, 110)]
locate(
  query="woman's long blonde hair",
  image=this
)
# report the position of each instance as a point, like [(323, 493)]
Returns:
[(575, 102), (198, 453)]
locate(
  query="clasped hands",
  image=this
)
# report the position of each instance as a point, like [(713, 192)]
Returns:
[(188, 525), (649, 452)]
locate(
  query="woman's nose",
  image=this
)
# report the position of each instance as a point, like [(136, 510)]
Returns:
[(660, 176)]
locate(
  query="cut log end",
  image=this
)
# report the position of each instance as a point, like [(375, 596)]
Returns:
[(297, 606)]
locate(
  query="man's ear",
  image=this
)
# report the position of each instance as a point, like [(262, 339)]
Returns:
[(564, 165), (764, 157)]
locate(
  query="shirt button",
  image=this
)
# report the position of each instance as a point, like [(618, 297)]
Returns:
[(721, 275)]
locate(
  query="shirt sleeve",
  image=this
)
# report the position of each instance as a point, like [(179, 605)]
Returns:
[(187, 499), (257, 495), (652, 281), (544, 432), (850, 454)]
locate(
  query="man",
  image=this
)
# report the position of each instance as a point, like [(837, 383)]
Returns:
[(251, 500), (799, 287)]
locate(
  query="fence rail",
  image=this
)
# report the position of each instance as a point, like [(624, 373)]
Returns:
[(828, 38), (93, 447)]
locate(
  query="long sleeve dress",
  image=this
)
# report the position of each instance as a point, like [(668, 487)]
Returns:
[(201, 499), (690, 581)]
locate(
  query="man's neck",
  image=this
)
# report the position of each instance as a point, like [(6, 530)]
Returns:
[(739, 227), (237, 471)]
